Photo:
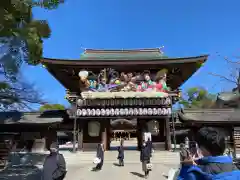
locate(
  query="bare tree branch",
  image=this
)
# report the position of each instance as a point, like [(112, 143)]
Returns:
[(224, 78), (19, 96), (231, 61)]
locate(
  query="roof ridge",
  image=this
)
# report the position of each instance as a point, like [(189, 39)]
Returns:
[(110, 51)]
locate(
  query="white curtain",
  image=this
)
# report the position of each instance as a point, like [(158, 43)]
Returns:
[(94, 128)]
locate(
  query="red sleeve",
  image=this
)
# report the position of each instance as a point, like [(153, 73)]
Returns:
[(159, 86)]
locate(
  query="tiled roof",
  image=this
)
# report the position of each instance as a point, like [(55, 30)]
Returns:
[(122, 54), (47, 117), (216, 116)]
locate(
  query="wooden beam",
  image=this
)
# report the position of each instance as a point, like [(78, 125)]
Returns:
[(168, 134)]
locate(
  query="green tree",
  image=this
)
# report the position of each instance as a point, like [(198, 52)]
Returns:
[(197, 98), (46, 107), (21, 40), (21, 36)]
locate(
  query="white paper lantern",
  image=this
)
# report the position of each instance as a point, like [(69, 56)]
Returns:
[(126, 111), (130, 112), (117, 112), (145, 111), (93, 112), (84, 112), (155, 111), (107, 112), (89, 113), (79, 112), (135, 111), (169, 111), (122, 112), (112, 112), (159, 111), (150, 111), (102, 112), (98, 112)]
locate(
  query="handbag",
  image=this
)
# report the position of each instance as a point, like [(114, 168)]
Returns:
[(59, 175), (173, 174), (96, 160), (149, 166)]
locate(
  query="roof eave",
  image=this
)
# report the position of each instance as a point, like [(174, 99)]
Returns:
[(48, 61), (209, 116)]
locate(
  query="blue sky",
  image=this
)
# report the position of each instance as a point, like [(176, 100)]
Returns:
[(184, 28)]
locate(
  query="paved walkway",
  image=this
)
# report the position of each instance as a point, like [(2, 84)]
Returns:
[(131, 157), (111, 171), (80, 165)]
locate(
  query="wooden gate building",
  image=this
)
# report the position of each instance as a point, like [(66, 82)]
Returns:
[(104, 86)]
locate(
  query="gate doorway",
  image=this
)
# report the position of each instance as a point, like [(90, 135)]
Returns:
[(126, 130)]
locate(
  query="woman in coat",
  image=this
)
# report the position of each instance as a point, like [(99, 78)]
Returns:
[(145, 158), (121, 154), (100, 155)]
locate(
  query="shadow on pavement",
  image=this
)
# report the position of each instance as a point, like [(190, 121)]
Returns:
[(94, 169), (137, 174), (116, 164)]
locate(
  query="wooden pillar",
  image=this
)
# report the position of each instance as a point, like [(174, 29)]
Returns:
[(168, 134), (105, 131), (108, 134), (80, 138), (104, 138), (139, 134), (232, 139)]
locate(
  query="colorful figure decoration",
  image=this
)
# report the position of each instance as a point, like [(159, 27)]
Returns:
[(83, 75), (109, 80), (93, 85), (161, 79), (147, 84)]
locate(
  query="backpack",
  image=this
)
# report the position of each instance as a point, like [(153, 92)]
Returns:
[(232, 175)]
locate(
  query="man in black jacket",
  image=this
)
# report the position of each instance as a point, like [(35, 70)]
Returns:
[(121, 154), (100, 155), (145, 158), (54, 167)]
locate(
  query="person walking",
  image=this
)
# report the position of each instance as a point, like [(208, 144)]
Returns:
[(100, 156), (121, 154), (150, 146), (54, 167), (145, 159)]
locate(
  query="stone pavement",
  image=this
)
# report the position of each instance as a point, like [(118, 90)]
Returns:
[(132, 157), (111, 171), (79, 165)]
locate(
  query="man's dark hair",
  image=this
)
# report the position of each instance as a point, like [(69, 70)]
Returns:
[(182, 145), (212, 139)]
